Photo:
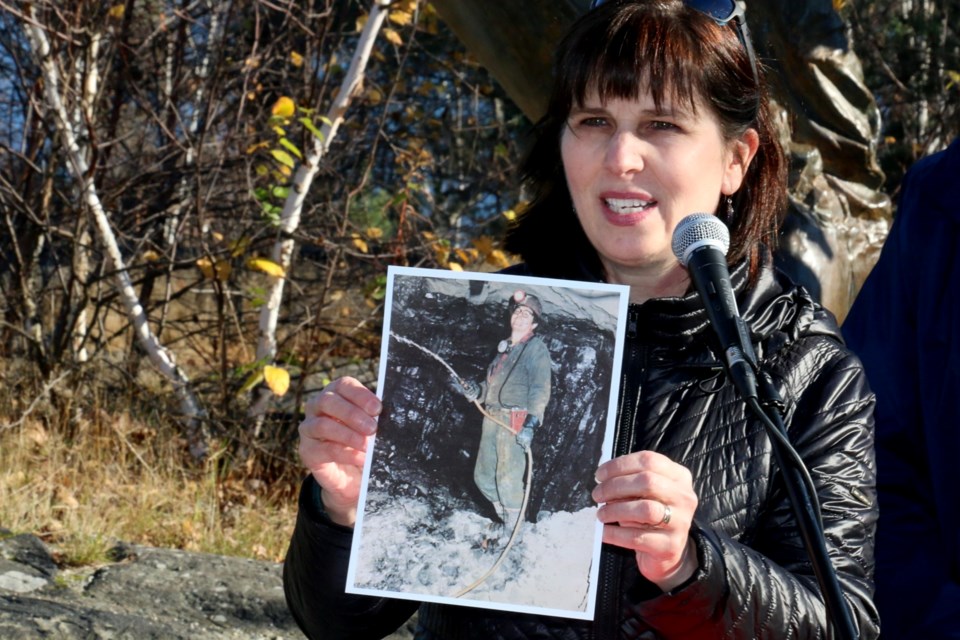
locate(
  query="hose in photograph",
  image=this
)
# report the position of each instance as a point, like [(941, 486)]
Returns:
[(528, 482)]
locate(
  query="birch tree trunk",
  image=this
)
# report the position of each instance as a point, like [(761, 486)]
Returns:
[(88, 78), (72, 133), (282, 252)]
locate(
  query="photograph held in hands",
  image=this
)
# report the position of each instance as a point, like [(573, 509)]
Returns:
[(499, 395)]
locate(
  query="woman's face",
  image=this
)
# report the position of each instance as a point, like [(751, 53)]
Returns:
[(634, 172)]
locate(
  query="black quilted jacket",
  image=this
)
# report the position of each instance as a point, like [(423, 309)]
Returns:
[(755, 580)]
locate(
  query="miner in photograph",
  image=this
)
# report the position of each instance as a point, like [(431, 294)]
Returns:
[(514, 395)]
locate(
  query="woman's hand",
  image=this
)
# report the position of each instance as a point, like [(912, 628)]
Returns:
[(647, 504), (333, 443)]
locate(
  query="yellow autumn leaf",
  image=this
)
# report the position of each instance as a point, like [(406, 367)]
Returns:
[(498, 259), (255, 147), (360, 244), (954, 78), (296, 59), (239, 246), (466, 255), (150, 255), (483, 244), (219, 269), (374, 96), (392, 36), (268, 267), (374, 233), (361, 22), (400, 17), (117, 11), (455, 267), (277, 379), (441, 253), (283, 107), (206, 267)]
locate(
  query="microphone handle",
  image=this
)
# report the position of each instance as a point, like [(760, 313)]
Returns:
[(708, 269)]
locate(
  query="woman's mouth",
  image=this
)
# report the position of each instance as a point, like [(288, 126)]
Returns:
[(628, 206)]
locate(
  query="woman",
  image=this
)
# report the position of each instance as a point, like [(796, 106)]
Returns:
[(656, 114)]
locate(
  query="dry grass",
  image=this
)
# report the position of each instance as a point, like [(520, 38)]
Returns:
[(119, 479)]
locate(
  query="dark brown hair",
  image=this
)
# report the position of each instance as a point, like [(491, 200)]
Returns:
[(621, 49)]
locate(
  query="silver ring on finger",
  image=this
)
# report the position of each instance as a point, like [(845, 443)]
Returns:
[(667, 513)]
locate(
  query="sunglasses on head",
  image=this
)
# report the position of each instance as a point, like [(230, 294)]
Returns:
[(722, 12)]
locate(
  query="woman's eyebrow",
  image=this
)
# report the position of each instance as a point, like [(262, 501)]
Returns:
[(584, 109), (668, 112)]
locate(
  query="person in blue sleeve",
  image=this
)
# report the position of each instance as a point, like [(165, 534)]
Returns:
[(905, 326)]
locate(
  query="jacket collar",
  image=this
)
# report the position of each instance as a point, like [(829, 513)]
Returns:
[(776, 311), (679, 319)]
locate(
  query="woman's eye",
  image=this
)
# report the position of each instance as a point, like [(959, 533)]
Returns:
[(591, 122), (662, 125)]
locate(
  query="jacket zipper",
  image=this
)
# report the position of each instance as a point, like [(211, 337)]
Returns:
[(610, 566)]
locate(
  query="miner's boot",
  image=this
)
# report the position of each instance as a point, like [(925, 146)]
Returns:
[(510, 518)]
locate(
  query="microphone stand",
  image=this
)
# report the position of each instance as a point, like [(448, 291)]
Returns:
[(803, 499)]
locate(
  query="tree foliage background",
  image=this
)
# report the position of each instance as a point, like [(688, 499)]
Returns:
[(910, 51), (192, 116)]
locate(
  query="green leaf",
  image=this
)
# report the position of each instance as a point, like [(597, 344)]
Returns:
[(282, 157), (292, 148), (271, 211), (281, 193), (312, 128), (253, 380)]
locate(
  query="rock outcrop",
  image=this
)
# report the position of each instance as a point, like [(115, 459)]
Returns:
[(144, 593)]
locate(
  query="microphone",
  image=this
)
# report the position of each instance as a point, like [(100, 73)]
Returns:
[(700, 243)]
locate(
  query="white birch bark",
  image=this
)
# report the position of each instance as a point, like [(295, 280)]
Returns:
[(171, 224), (88, 77), (79, 167), (293, 206), (173, 218)]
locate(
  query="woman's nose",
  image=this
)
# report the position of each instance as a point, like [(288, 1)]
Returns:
[(624, 153)]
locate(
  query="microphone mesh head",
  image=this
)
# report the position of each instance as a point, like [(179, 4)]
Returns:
[(698, 230)]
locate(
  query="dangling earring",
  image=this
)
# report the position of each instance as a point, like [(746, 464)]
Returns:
[(729, 210)]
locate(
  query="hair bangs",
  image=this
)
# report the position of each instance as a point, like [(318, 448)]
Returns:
[(637, 55)]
